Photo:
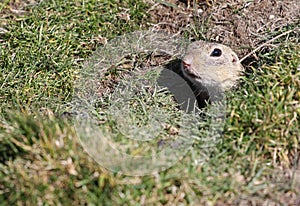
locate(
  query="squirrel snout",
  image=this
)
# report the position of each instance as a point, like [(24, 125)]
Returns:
[(186, 66), (188, 69)]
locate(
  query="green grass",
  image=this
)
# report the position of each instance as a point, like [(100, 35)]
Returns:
[(43, 49), (42, 162)]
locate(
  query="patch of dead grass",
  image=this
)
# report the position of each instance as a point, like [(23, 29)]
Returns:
[(243, 25)]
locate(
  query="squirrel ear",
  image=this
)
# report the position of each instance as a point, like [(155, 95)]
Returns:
[(235, 59)]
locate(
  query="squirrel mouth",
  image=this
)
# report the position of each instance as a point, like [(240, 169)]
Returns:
[(188, 70)]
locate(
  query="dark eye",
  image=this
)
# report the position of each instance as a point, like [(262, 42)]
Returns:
[(216, 52)]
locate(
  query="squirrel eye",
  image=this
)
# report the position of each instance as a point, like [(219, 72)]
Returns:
[(216, 52)]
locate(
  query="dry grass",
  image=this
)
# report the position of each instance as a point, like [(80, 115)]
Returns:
[(243, 25)]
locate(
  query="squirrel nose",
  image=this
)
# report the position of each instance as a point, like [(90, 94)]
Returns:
[(186, 65)]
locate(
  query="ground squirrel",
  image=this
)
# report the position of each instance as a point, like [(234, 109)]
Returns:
[(210, 67)]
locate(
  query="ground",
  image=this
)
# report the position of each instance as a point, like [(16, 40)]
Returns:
[(42, 47)]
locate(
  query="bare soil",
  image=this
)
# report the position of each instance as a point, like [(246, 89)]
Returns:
[(242, 25)]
